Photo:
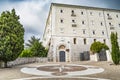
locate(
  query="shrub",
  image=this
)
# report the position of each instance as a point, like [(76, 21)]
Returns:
[(96, 47), (26, 53)]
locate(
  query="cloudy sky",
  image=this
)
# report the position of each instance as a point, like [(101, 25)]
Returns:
[(33, 13)]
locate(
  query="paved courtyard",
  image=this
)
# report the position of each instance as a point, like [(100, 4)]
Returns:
[(86, 71)]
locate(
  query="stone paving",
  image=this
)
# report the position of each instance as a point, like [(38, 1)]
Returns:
[(111, 72)]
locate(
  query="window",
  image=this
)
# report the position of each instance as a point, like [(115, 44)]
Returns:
[(117, 15), (112, 28), (104, 40), (110, 24), (91, 13), (119, 25), (94, 40), (72, 11), (101, 24), (73, 14), (93, 32), (73, 21), (84, 41), (74, 40), (61, 21), (83, 22), (61, 11), (102, 32), (82, 13), (74, 25), (108, 15), (83, 31)]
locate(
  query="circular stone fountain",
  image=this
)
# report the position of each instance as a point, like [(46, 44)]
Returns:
[(62, 70), (59, 70)]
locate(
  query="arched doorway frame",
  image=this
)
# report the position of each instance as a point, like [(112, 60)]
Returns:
[(61, 47)]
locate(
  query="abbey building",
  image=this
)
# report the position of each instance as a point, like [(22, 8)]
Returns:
[(71, 29)]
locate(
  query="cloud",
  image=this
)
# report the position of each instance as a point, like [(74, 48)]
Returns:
[(33, 13)]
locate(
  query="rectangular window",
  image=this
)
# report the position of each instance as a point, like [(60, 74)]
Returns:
[(91, 13), (61, 11), (83, 31), (84, 41), (61, 21), (72, 11), (94, 40), (112, 28), (101, 24), (74, 40), (119, 25), (83, 22), (104, 41), (102, 32), (117, 15), (74, 25), (93, 32), (73, 21), (110, 24), (73, 14), (82, 13)]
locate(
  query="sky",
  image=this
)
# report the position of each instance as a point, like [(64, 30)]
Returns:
[(33, 13)]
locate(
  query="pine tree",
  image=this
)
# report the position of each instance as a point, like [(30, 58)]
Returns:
[(11, 36)]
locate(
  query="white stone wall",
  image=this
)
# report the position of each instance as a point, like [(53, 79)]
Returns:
[(95, 57), (20, 61)]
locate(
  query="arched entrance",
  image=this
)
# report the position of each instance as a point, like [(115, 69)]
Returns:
[(62, 56)]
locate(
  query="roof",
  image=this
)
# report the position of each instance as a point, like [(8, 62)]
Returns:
[(79, 6)]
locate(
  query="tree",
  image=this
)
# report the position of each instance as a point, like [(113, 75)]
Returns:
[(36, 47), (115, 48), (11, 36), (32, 41), (26, 53), (96, 47)]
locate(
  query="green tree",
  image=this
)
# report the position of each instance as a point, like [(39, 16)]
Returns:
[(11, 36), (26, 53), (96, 47), (36, 47), (115, 48), (32, 41)]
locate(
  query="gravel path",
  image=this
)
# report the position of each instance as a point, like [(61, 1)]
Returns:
[(111, 72)]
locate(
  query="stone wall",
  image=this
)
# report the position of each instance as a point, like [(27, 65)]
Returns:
[(95, 57), (20, 61)]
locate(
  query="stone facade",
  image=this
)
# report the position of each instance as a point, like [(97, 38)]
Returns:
[(71, 29)]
